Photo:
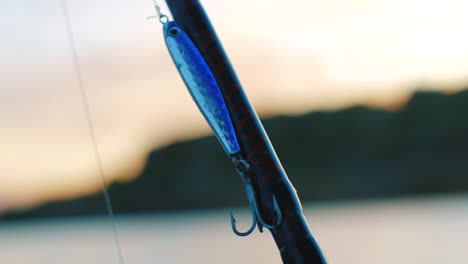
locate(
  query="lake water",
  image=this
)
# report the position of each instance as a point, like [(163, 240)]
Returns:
[(429, 230)]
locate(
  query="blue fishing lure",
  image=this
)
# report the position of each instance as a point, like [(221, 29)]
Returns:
[(201, 84)]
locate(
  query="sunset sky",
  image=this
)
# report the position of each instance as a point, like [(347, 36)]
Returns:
[(291, 56)]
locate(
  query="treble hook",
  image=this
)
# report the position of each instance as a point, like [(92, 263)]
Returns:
[(257, 220), (242, 167)]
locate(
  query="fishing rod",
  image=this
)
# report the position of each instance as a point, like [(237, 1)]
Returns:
[(215, 88)]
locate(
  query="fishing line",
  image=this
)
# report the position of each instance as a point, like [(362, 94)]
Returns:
[(92, 134), (159, 15)]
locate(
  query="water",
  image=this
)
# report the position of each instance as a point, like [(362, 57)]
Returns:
[(430, 230)]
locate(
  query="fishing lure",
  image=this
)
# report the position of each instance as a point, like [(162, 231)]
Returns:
[(202, 85), (200, 82)]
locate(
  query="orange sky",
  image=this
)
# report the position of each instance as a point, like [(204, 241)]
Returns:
[(291, 56)]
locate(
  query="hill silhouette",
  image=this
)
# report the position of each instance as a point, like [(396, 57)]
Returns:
[(354, 153)]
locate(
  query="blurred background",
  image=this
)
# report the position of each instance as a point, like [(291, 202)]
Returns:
[(364, 102)]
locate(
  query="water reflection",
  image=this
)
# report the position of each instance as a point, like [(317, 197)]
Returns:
[(423, 230)]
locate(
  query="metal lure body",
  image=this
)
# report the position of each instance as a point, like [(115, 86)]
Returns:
[(201, 84)]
